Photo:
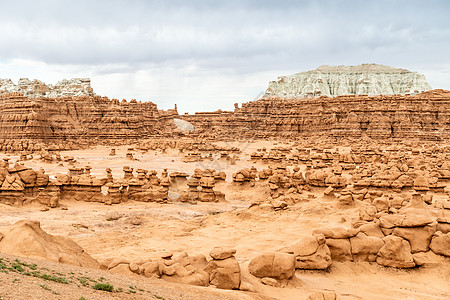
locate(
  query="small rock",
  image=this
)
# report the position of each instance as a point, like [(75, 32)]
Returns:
[(270, 281), (113, 216), (222, 252), (247, 287), (166, 255)]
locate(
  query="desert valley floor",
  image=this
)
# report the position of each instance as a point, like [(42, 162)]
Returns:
[(245, 221)]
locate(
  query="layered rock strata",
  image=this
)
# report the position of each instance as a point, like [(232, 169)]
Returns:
[(424, 116), (38, 89), (99, 119), (75, 118), (332, 81)]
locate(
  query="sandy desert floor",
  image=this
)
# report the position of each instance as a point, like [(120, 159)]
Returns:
[(198, 228)]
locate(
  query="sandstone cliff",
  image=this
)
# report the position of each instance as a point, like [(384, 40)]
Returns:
[(98, 119), (332, 81), (425, 116), (78, 118)]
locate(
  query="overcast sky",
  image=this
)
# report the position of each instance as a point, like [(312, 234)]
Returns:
[(206, 55)]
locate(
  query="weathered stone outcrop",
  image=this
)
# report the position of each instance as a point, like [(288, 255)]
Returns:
[(78, 117), (332, 81), (223, 271), (396, 252), (311, 253), (99, 119), (37, 89), (26, 238), (276, 265), (423, 116), (372, 101)]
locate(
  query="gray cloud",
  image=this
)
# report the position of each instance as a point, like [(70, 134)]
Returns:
[(212, 38)]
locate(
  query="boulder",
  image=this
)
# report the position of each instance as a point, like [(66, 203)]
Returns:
[(311, 253), (381, 203), (276, 265), (396, 252), (421, 183), (176, 272), (443, 227), (151, 269), (270, 281), (340, 249), (418, 237), (117, 261), (199, 278), (222, 252), (440, 243), (416, 220), (367, 213), (407, 220), (391, 221), (372, 229), (122, 269), (428, 259), (225, 273), (198, 261), (303, 247), (28, 176), (335, 232), (365, 247)]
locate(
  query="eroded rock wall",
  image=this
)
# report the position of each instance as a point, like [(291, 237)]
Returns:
[(78, 117), (425, 116)]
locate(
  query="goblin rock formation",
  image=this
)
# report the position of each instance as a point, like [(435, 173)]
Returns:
[(332, 81)]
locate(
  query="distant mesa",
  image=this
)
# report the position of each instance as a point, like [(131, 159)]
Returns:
[(332, 81), (38, 89)]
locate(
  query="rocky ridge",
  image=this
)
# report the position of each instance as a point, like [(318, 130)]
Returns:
[(77, 118), (69, 110), (424, 116), (37, 89), (332, 81)]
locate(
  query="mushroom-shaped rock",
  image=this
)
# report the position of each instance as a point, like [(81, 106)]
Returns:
[(224, 273)]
